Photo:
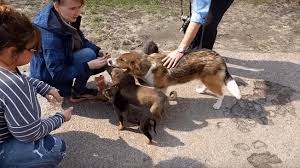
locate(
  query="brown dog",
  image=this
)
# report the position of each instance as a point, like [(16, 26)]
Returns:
[(124, 92), (206, 66)]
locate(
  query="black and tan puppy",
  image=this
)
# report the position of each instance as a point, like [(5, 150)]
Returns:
[(206, 66), (124, 92), (121, 105)]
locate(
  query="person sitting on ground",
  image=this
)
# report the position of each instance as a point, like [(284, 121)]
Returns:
[(24, 136), (66, 59)]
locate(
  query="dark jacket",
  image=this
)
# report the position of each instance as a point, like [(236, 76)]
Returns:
[(53, 63)]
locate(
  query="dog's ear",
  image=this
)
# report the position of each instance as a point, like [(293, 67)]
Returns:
[(150, 47), (136, 65)]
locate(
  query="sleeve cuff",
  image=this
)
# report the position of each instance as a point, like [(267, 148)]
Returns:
[(200, 11), (61, 116), (197, 18), (47, 90)]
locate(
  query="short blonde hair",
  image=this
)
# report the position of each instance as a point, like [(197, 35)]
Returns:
[(61, 1)]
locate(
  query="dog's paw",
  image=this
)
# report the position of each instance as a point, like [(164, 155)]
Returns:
[(121, 127), (173, 95), (201, 89), (149, 142), (217, 105)]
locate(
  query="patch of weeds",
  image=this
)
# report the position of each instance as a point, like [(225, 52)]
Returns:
[(152, 6)]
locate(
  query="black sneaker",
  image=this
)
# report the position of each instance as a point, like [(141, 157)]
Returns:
[(87, 94)]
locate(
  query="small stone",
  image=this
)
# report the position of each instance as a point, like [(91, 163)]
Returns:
[(235, 153), (242, 146), (272, 114), (259, 144), (270, 108), (243, 129), (220, 124), (126, 42), (264, 120)]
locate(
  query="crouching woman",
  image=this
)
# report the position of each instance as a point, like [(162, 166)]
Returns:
[(24, 136)]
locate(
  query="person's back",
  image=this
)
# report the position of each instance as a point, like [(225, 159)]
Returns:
[(24, 136)]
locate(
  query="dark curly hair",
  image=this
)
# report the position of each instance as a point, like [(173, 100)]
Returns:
[(16, 30)]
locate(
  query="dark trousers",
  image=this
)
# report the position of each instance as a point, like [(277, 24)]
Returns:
[(208, 32), (83, 56)]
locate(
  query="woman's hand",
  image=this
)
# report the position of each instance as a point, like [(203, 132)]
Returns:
[(172, 59), (68, 114), (53, 95)]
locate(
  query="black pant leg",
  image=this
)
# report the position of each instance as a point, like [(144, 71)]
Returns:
[(215, 14), (80, 83)]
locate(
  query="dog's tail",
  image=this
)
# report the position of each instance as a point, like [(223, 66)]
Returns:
[(150, 47), (231, 85)]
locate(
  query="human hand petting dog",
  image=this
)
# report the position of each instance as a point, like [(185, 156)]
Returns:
[(53, 95), (100, 61), (172, 59)]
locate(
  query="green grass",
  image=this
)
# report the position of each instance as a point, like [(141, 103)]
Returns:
[(153, 6), (124, 2)]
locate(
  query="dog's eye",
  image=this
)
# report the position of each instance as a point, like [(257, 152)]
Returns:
[(121, 59)]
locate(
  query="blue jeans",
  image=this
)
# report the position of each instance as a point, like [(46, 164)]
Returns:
[(47, 152), (83, 56)]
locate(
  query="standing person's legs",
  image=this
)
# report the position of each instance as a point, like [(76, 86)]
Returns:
[(47, 152), (215, 14)]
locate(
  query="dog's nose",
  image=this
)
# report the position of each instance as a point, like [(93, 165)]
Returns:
[(109, 61)]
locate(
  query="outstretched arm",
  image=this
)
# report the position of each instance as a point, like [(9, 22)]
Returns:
[(200, 10)]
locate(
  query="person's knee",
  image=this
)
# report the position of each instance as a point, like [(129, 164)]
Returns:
[(84, 55), (59, 145), (46, 152), (56, 148), (89, 53)]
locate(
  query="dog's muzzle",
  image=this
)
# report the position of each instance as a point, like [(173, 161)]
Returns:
[(109, 61)]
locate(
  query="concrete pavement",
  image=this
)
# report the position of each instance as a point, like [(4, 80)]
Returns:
[(261, 130)]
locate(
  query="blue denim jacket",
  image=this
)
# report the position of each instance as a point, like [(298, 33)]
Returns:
[(200, 10), (53, 63)]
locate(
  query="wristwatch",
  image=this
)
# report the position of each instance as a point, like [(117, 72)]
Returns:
[(181, 50)]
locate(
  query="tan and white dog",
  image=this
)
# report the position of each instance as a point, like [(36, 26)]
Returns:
[(206, 66)]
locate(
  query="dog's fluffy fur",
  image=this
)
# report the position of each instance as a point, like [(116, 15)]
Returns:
[(124, 92), (205, 65)]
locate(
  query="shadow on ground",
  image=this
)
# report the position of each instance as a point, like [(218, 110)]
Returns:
[(266, 101), (102, 152), (269, 100), (287, 73)]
